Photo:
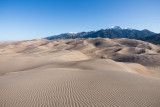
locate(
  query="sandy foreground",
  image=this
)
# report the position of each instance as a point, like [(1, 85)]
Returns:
[(71, 78)]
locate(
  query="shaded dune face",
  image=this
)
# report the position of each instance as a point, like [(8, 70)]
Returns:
[(146, 60)]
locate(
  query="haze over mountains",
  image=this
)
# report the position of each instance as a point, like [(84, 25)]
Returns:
[(112, 32)]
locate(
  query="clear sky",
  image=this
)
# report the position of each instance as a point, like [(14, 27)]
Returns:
[(31, 19)]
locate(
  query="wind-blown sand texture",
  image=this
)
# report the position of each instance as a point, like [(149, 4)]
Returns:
[(79, 73)]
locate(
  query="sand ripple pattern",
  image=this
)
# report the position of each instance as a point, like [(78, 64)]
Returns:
[(62, 87)]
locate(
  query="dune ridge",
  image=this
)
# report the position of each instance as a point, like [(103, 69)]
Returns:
[(122, 50)]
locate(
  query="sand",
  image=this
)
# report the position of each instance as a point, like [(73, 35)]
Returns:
[(73, 73), (121, 50)]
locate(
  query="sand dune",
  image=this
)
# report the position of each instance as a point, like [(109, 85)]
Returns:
[(18, 62), (123, 50), (79, 73)]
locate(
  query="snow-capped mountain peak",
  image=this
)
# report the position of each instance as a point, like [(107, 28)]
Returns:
[(72, 32), (118, 28)]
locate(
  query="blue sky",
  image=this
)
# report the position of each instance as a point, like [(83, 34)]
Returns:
[(31, 19)]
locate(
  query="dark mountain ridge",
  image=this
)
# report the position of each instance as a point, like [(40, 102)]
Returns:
[(155, 39), (113, 32)]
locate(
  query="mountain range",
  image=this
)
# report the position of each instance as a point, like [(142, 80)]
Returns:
[(155, 39), (112, 32)]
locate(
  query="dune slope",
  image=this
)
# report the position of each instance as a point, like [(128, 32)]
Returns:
[(76, 84)]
